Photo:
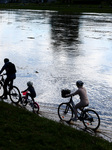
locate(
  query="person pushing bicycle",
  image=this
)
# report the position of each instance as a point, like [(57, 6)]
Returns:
[(83, 98), (10, 69), (30, 91)]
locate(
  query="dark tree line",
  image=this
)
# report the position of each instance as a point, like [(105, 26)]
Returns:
[(62, 1), (82, 1)]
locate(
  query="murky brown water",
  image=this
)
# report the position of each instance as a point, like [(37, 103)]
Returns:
[(63, 49)]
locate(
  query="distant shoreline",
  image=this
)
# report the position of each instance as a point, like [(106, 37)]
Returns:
[(68, 9)]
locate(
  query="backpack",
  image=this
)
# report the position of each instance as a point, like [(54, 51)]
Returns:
[(11, 68)]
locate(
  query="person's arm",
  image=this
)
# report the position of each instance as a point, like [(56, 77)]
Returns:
[(3, 68), (72, 94), (24, 90)]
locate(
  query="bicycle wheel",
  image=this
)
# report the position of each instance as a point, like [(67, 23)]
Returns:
[(91, 119), (65, 112), (1, 90), (35, 108), (14, 95), (23, 101)]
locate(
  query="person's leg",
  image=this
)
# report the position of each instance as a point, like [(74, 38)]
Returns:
[(75, 111), (32, 98), (5, 88), (77, 106), (11, 83), (26, 97)]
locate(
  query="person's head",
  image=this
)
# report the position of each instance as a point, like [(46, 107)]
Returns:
[(6, 60), (79, 83), (29, 83)]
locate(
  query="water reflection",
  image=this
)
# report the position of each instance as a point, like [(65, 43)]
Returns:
[(63, 49), (67, 27)]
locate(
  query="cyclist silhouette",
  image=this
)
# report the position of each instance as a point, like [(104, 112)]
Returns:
[(30, 91), (11, 75), (83, 98)]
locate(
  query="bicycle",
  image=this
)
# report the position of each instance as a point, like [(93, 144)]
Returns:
[(13, 92), (89, 117), (31, 102)]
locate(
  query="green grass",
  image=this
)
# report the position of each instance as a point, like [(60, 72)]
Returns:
[(71, 9), (23, 130)]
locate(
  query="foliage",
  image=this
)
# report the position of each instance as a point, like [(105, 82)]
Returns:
[(80, 1), (61, 8)]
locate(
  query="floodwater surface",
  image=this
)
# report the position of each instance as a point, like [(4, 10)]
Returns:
[(54, 51)]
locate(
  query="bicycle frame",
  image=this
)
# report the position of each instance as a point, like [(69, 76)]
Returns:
[(80, 114), (24, 95), (30, 101), (73, 105), (3, 80), (89, 117)]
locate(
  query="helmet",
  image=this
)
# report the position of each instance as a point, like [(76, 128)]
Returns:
[(29, 83), (6, 60), (79, 83)]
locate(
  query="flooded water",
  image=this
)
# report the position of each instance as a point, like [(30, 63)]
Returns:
[(54, 51)]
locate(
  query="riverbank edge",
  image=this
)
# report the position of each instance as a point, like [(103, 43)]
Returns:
[(22, 129), (68, 9)]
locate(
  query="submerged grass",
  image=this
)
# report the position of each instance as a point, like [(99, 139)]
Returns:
[(70, 9), (23, 130)]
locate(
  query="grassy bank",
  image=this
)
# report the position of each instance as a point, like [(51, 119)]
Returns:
[(23, 130), (71, 9)]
